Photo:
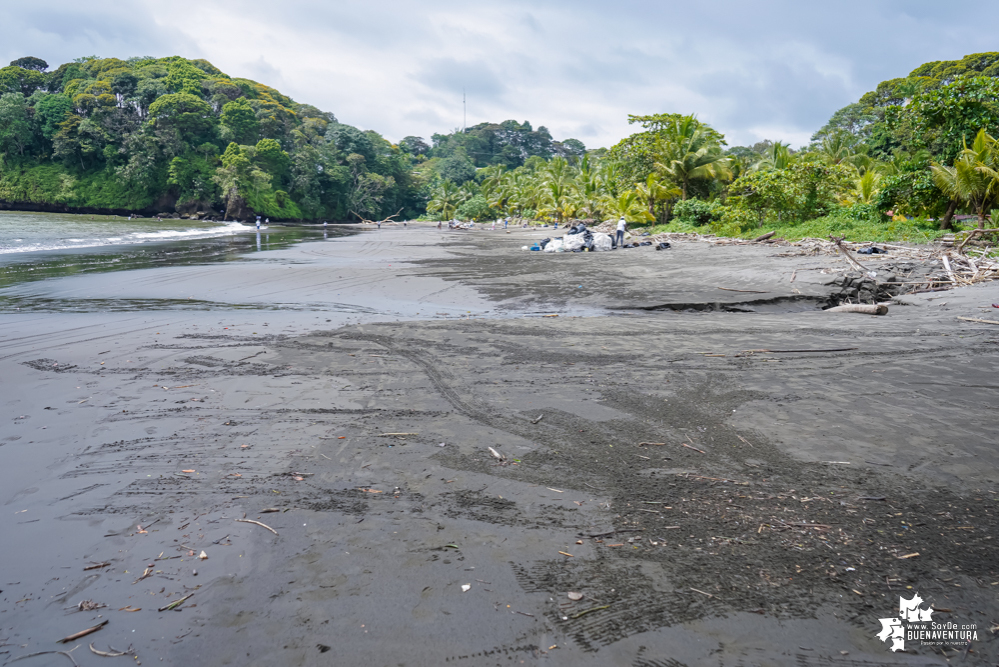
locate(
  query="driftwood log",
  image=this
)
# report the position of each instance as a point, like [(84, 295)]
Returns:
[(863, 308), (764, 237)]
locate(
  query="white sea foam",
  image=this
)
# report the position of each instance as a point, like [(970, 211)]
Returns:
[(50, 239)]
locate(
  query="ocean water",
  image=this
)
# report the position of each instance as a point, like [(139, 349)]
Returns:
[(36, 246), (38, 232)]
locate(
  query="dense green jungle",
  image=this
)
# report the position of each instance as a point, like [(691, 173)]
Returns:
[(910, 160)]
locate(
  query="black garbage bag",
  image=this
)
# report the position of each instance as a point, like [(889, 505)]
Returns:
[(645, 243), (663, 246), (544, 242), (873, 250)]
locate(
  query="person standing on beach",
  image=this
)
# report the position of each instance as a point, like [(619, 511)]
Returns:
[(621, 227)]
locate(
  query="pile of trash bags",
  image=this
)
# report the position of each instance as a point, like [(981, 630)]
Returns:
[(578, 239), (581, 239)]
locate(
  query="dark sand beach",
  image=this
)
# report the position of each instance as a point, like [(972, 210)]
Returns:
[(723, 476)]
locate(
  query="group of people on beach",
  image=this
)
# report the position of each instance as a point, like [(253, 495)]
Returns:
[(622, 227)]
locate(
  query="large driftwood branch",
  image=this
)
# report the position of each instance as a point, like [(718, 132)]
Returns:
[(375, 222), (838, 240), (973, 234)]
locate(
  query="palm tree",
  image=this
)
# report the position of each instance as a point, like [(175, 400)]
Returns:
[(867, 186), (836, 148), (688, 151), (589, 189), (654, 190), (446, 198), (974, 178), (629, 205), (778, 157)]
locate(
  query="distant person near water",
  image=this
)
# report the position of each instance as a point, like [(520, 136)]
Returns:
[(621, 227)]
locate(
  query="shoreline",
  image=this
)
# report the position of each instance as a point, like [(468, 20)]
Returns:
[(292, 390)]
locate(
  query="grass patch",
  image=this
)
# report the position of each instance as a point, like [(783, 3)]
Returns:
[(915, 230)]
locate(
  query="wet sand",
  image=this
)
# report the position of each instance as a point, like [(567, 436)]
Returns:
[(321, 381)]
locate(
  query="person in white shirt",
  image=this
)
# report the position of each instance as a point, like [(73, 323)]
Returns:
[(621, 226)]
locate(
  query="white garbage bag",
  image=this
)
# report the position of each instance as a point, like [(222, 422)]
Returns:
[(555, 245), (573, 242), (602, 242)]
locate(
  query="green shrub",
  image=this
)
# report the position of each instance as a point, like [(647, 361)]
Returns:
[(860, 211), (698, 212), (734, 221), (476, 209)]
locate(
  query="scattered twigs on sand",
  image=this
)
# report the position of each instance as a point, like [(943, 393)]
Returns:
[(614, 532), (82, 633), (686, 475), (175, 603), (683, 444), (32, 655), (262, 525), (943, 264)]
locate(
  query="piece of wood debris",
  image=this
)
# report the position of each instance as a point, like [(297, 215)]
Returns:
[(748, 291), (862, 308), (975, 319), (82, 633), (31, 655), (105, 653), (175, 603), (262, 525)]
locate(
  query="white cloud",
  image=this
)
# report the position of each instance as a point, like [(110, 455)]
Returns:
[(755, 70)]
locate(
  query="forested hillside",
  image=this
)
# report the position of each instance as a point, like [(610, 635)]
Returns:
[(157, 135), (165, 134)]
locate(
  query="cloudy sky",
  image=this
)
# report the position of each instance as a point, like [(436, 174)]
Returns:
[(769, 69)]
